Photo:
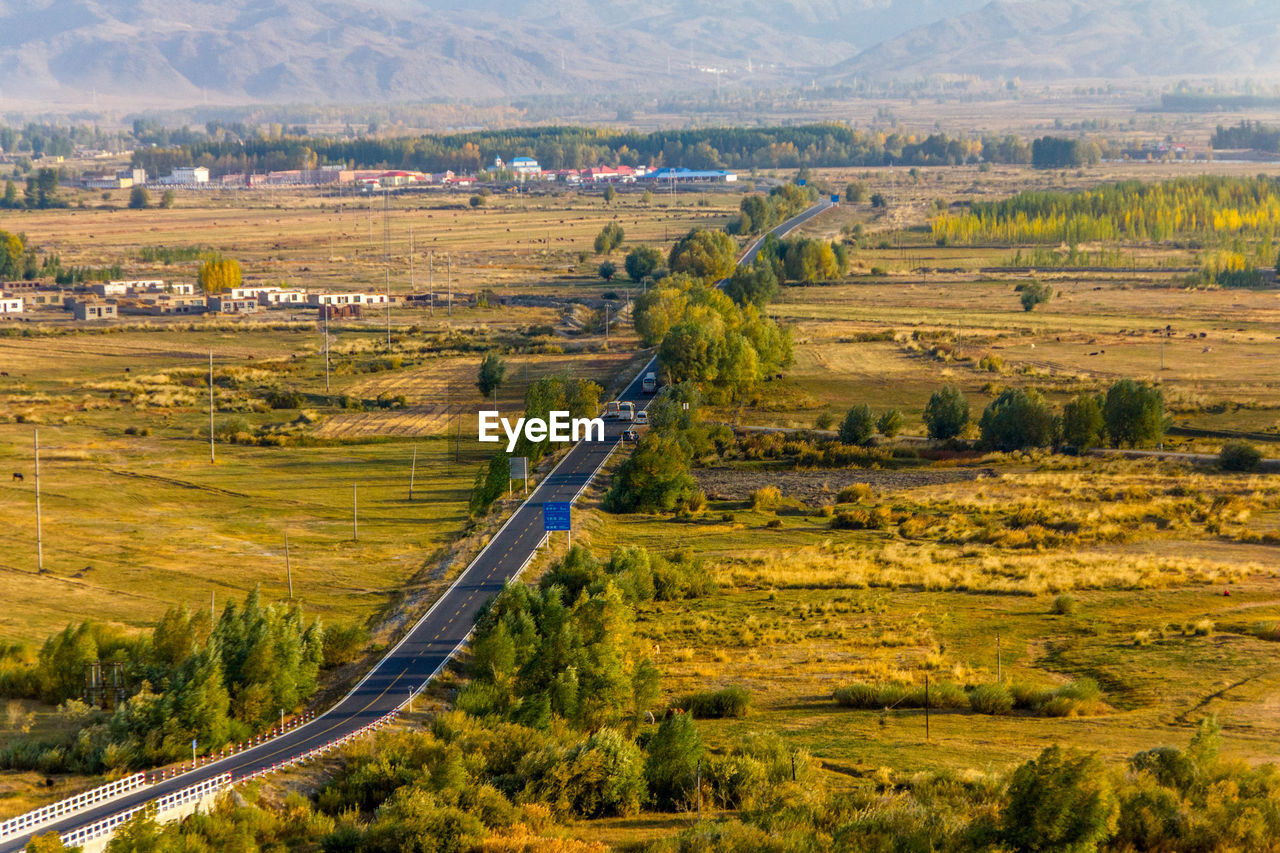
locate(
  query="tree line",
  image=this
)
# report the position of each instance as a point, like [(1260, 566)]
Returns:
[(1217, 209), (187, 679), (568, 147), (1128, 414)]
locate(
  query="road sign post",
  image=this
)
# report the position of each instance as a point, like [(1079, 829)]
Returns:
[(520, 470), (556, 515)]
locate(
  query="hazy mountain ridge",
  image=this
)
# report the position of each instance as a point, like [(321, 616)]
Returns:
[(1045, 39), (148, 52)]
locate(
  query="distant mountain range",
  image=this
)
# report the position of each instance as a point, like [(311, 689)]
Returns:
[(68, 53)]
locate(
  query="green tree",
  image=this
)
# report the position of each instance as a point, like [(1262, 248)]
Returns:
[(1035, 293), (810, 260), (139, 198), (476, 201), (1060, 802), (709, 255), (493, 370), (607, 270), (609, 238), (642, 261), (858, 425), (1017, 419), (10, 200), (167, 199), (753, 285), (672, 764), (492, 480), (879, 200), (855, 192), (890, 423), (1082, 423), (609, 194), (1134, 413), (946, 414), (655, 478)]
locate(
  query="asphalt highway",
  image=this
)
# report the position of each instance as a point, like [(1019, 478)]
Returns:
[(432, 640)]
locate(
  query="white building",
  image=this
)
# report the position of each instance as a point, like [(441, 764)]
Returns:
[(318, 299), (525, 167), (187, 176), (10, 304)]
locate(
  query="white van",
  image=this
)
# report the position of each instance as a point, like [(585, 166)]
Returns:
[(650, 382)]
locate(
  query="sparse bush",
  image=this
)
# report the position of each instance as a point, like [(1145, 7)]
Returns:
[(877, 518), (1063, 605), (1239, 456), (731, 701), (990, 699), (854, 493), (766, 499)]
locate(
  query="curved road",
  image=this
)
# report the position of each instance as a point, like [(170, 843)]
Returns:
[(433, 640)]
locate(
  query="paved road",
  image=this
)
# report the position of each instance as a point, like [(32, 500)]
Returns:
[(436, 636)]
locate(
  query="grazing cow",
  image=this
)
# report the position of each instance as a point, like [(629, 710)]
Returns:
[(17, 478)]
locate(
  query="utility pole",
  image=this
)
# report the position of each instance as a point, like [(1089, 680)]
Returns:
[(355, 513), (288, 569), (698, 784), (431, 287), (39, 527), (926, 706), (606, 324), (211, 459), (324, 309), (212, 610), (388, 294), (999, 667), (449, 276), (413, 469), (411, 259)]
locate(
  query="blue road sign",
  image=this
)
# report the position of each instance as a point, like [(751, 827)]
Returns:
[(835, 199), (801, 182), (555, 515)]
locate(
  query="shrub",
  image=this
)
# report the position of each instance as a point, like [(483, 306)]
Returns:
[(854, 493), (283, 398), (890, 423), (731, 701), (1063, 605), (825, 420), (671, 767), (1239, 456), (877, 518), (766, 499), (1035, 293), (991, 699), (343, 645)]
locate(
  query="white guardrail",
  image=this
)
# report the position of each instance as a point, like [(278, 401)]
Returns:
[(107, 825), (24, 823)]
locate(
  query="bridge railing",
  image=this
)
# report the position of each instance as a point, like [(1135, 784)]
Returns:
[(24, 823), (108, 825)]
